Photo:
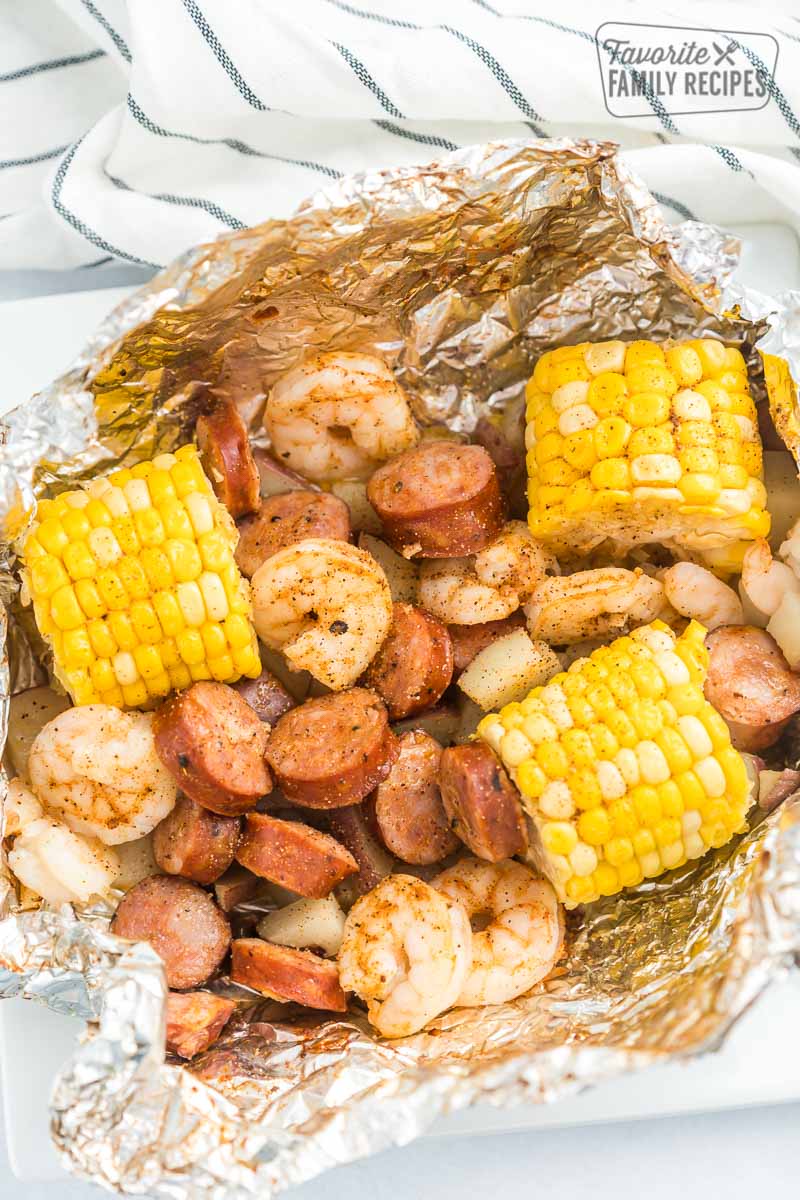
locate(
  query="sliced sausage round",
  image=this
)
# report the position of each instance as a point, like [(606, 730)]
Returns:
[(333, 750), (353, 827), (438, 500), (469, 640), (213, 743), (227, 458), (294, 855), (266, 695), (195, 843), (414, 665), (286, 974), (182, 924), (751, 685), (481, 801), (195, 1020), (288, 518), (408, 804)]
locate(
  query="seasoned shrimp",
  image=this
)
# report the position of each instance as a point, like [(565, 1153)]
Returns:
[(61, 866), (326, 605), (337, 416), (513, 561), (97, 768), (521, 943), (488, 587), (593, 604), (406, 950), (765, 581), (695, 592), (20, 809)]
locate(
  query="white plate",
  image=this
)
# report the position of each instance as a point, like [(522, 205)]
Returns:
[(760, 1063)]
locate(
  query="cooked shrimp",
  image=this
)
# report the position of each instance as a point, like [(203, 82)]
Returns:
[(489, 586), (450, 590), (521, 943), (326, 605), (513, 561), (97, 768), (790, 547), (61, 866), (20, 809), (695, 592), (766, 580), (593, 604), (336, 416), (406, 951)]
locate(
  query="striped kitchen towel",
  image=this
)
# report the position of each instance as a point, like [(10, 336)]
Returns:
[(131, 129)]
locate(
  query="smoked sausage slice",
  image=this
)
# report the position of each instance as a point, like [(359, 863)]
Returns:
[(482, 802), (751, 685), (294, 855), (469, 640), (414, 665), (227, 458), (332, 750), (286, 974), (182, 924), (438, 500), (195, 843), (353, 828), (288, 518), (213, 743), (195, 1020), (408, 804), (266, 695)]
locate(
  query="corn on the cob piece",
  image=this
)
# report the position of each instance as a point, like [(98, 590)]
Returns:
[(624, 767), (642, 442), (134, 585)]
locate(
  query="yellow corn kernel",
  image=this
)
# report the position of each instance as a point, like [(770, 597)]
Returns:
[(77, 648), (531, 779), (606, 880), (611, 473), (135, 694), (47, 576), (610, 437), (89, 598), (156, 567), (643, 354), (651, 439), (559, 837), (145, 622), (65, 609), (124, 531), (579, 450), (685, 364), (52, 535), (160, 685), (200, 671), (237, 631), (699, 489), (190, 647), (176, 520), (101, 638), (646, 408), (179, 676), (221, 668), (76, 524), (121, 628), (594, 826), (184, 559), (671, 799), (148, 662), (97, 514), (214, 550), (79, 684), (214, 639), (550, 447), (606, 394), (113, 696), (557, 472), (160, 487), (102, 675), (104, 547), (149, 527), (569, 371), (187, 477), (133, 578), (618, 850)]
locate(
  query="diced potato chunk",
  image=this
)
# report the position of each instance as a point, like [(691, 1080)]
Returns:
[(306, 924), (401, 574), (363, 517), (507, 669), (29, 712)]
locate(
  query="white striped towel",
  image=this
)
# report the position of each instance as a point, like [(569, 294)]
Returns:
[(131, 130)]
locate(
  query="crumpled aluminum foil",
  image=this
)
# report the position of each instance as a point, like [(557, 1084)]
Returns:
[(460, 273)]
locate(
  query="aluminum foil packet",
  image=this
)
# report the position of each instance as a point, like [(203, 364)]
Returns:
[(459, 273)]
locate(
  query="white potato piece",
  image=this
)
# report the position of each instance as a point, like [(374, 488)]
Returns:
[(136, 862), (363, 517), (507, 669), (29, 711), (401, 574), (306, 924), (61, 866), (784, 625), (783, 494), (20, 809)]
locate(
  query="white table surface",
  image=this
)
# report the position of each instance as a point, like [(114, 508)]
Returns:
[(723, 1153)]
